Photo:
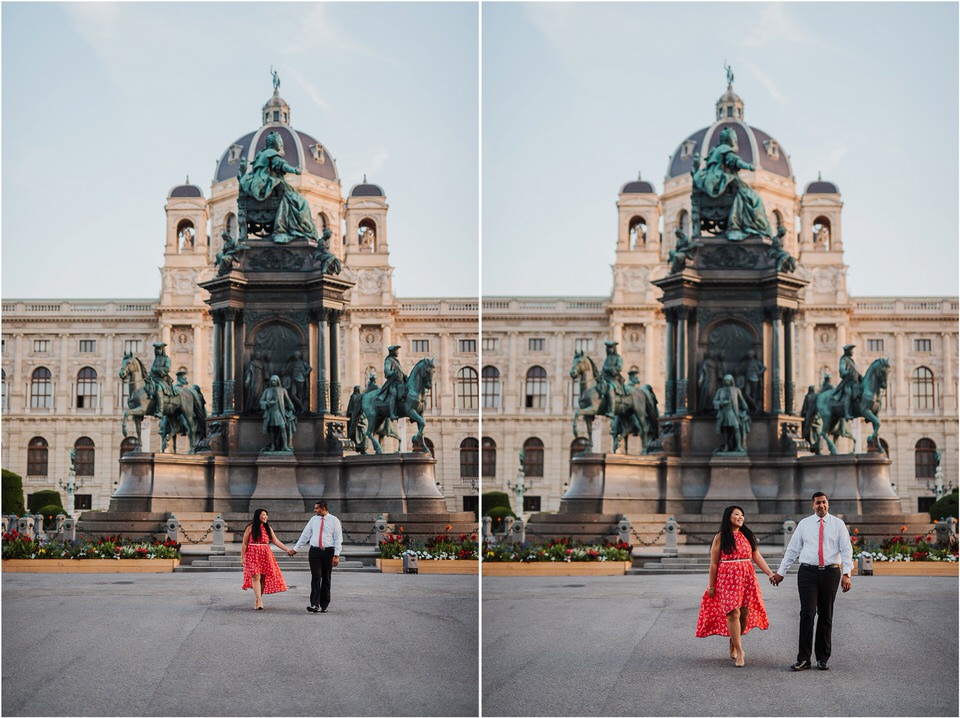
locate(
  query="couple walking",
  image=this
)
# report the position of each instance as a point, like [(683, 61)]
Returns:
[(733, 604), (261, 572)]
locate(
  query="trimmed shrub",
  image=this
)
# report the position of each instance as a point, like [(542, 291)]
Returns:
[(947, 506), (493, 499), (49, 513), (12, 500), (41, 499)]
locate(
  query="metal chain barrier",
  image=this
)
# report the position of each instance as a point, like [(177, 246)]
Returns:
[(350, 539), (196, 541), (644, 542)]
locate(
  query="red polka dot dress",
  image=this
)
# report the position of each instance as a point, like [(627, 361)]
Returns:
[(260, 560), (736, 586)]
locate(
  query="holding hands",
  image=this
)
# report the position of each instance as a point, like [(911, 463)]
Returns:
[(291, 552), (775, 579)]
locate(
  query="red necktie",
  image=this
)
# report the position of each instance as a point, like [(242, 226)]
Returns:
[(320, 538), (820, 545)]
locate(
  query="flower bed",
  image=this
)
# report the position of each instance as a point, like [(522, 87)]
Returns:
[(557, 550), (438, 548), (16, 546), (901, 549)]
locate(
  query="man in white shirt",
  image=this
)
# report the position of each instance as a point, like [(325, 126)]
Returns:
[(822, 543), (325, 535)]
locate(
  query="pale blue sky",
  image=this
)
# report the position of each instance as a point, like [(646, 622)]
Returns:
[(577, 98), (106, 107)]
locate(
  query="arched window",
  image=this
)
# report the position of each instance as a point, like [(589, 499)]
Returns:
[(469, 458), (367, 235), (922, 388), (638, 232), (3, 389), (536, 388), (128, 446), (925, 456), (185, 235), (231, 224), (821, 232), (322, 222), (87, 388), (468, 389), (37, 457), (85, 454), (41, 389), (533, 457), (683, 221), (777, 219), (490, 382), (488, 458)]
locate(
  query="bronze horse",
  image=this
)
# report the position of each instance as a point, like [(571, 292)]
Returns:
[(410, 403), (866, 405), (636, 413), (184, 413)]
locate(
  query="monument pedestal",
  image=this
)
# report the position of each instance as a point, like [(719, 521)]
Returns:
[(276, 476), (730, 484)]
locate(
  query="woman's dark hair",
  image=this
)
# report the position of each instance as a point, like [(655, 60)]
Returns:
[(255, 527), (728, 543)]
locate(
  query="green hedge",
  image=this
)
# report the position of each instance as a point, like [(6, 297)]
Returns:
[(49, 513), (493, 499), (498, 514), (42, 499), (12, 500), (947, 506)]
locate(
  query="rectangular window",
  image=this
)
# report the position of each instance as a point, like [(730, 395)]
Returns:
[(41, 346), (88, 346), (537, 345), (583, 344), (82, 502), (490, 344), (420, 346), (531, 504), (132, 346), (471, 502), (874, 345), (922, 345), (467, 346)]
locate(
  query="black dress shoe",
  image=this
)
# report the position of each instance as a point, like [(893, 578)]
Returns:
[(822, 665), (800, 666), (323, 610), (313, 609)]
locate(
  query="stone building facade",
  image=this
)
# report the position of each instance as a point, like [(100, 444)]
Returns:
[(60, 357)]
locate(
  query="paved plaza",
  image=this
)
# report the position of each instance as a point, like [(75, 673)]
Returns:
[(625, 646), (190, 645)]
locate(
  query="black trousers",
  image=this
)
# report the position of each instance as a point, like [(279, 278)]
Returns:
[(321, 569), (818, 589)]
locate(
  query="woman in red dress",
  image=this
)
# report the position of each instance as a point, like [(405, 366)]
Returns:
[(260, 569), (733, 604)]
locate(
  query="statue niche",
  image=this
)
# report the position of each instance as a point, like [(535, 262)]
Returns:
[(276, 350)]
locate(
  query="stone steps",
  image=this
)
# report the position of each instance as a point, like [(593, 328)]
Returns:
[(353, 559)]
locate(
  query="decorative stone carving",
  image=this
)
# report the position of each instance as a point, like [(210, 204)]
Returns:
[(276, 259), (729, 256), (370, 281)]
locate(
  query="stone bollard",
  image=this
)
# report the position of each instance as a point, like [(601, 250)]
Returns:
[(60, 519), (508, 528), (488, 530), (623, 530), (38, 531), (789, 526), (380, 526), (5, 520), (70, 530), (670, 531), (219, 529), (518, 533), (25, 526), (173, 529)]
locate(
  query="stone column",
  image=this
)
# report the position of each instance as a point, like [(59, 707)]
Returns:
[(775, 405), (354, 353), (229, 352), (809, 356), (508, 384), (322, 388), (947, 376), (217, 362), (198, 355), (334, 362), (670, 401), (788, 385), (902, 395), (683, 328), (649, 353), (106, 388)]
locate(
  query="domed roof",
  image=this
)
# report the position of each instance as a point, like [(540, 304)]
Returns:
[(753, 145), (820, 186), (299, 148), (637, 186), (367, 190), (185, 190)]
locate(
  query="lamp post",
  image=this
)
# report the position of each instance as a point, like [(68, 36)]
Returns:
[(72, 485), (938, 487), (519, 487)]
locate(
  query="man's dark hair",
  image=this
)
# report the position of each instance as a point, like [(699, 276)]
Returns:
[(819, 493), (322, 504)]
